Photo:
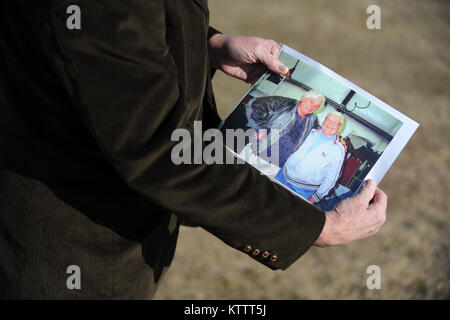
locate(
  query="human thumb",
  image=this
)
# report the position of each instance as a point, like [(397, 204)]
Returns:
[(273, 64)]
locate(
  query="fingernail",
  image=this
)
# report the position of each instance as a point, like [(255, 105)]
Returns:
[(283, 68)]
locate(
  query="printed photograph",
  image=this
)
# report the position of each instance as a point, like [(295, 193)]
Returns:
[(312, 132)]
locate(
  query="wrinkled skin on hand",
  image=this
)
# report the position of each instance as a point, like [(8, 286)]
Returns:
[(355, 218), (245, 58)]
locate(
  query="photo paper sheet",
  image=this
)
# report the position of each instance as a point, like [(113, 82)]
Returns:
[(316, 133)]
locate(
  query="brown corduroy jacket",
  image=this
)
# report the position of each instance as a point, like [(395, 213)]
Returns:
[(86, 176)]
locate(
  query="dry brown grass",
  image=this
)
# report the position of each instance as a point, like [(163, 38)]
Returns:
[(406, 64)]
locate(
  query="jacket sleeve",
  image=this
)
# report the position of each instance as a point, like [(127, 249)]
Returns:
[(331, 176), (267, 112), (124, 85), (212, 31)]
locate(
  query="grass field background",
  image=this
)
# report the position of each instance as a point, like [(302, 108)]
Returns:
[(406, 64)]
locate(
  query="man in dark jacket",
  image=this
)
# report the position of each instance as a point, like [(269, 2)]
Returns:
[(87, 187), (292, 119)]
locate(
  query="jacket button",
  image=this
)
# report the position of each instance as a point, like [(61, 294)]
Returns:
[(265, 254), (248, 248), (256, 252), (274, 258)]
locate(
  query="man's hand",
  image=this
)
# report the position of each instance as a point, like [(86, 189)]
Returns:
[(355, 218), (245, 58), (261, 134)]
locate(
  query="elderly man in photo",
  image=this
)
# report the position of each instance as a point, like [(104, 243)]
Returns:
[(292, 118), (312, 171)]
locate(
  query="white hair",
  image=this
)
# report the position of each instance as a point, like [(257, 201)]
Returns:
[(315, 94), (338, 114)]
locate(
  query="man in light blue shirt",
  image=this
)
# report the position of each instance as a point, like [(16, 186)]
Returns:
[(313, 170)]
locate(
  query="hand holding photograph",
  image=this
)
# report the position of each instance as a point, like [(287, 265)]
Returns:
[(316, 133)]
